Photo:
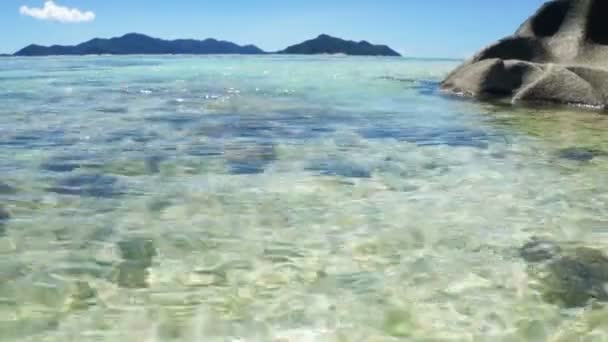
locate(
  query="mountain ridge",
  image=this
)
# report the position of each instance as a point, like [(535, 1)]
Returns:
[(326, 44), (137, 43), (141, 44)]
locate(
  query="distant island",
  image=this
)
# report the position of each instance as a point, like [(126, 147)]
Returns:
[(140, 44), (325, 44)]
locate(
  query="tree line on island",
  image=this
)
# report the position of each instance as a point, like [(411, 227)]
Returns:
[(135, 43)]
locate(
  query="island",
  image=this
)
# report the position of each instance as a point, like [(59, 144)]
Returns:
[(326, 44), (140, 44)]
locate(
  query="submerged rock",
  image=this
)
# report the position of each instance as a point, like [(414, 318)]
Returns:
[(580, 154), (69, 163), (4, 217), (6, 189), (113, 110), (138, 249), (61, 164), (83, 296), (570, 277), (138, 136), (558, 55), (89, 185), (249, 159), (4, 214), (131, 275), (157, 205), (425, 136), (204, 150), (342, 168), (153, 163), (575, 279), (399, 324), (137, 254), (134, 167), (538, 250)]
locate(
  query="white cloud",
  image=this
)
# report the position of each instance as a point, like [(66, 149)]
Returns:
[(53, 12)]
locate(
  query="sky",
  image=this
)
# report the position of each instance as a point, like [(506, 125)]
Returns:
[(416, 28)]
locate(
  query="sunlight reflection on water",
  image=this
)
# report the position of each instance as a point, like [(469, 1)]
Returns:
[(282, 199)]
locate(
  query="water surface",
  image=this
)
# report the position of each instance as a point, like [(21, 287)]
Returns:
[(283, 199)]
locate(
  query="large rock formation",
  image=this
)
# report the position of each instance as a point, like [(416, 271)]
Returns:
[(558, 55)]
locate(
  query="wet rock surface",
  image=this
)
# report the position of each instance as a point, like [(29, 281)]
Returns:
[(570, 276), (558, 55)]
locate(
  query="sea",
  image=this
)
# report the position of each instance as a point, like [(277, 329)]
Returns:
[(284, 199)]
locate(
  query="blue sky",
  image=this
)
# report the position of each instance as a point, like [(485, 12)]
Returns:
[(423, 28)]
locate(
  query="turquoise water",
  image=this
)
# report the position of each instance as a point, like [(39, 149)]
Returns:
[(283, 199)]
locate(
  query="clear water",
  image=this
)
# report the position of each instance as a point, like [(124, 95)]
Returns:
[(282, 199)]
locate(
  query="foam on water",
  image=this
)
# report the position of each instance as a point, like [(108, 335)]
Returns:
[(283, 199)]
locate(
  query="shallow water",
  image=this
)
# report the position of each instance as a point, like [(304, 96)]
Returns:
[(283, 199)]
